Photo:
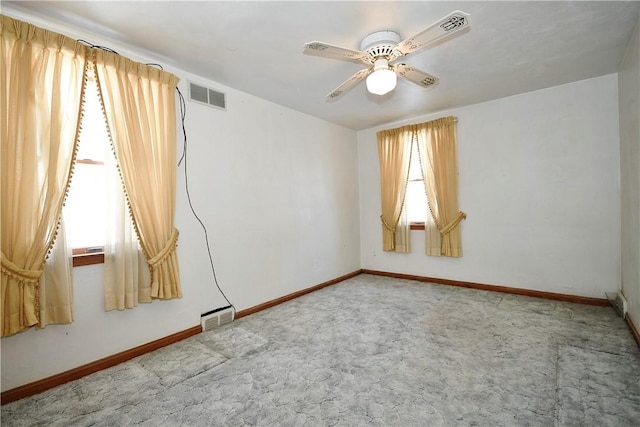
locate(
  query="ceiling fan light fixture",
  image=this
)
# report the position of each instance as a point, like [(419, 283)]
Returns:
[(383, 79), (380, 48)]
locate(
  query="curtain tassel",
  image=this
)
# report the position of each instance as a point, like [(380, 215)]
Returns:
[(453, 224), (391, 229), (17, 273), (166, 251)]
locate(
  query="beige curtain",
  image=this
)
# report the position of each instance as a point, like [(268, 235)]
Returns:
[(394, 152), (40, 92), (56, 283), (126, 275), (403, 233), (139, 103), (437, 148)]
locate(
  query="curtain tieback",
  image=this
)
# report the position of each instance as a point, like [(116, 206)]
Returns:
[(388, 227), (20, 274), (453, 224), (166, 251)]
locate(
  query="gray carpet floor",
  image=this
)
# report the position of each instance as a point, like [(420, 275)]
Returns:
[(372, 351)]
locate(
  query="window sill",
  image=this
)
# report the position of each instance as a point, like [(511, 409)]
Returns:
[(417, 226), (80, 260)]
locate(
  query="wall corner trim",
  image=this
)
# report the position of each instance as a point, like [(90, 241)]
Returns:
[(294, 295), (76, 373), (634, 330), (496, 288)]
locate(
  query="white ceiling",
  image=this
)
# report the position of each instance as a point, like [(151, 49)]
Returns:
[(257, 47)]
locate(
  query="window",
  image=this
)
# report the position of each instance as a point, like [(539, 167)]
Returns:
[(85, 207), (441, 216), (415, 201)]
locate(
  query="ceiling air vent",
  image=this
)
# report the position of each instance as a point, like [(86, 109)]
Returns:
[(207, 96)]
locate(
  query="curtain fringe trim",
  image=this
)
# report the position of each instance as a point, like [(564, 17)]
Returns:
[(74, 374)]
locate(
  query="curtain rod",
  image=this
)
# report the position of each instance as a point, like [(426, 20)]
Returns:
[(455, 120)]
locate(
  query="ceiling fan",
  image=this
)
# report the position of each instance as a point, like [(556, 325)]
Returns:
[(380, 49)]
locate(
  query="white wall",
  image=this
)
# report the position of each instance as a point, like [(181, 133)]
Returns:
[(629, 98), (538, 178), (278, 192)]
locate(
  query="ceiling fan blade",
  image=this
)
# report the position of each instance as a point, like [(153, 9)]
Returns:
[(452, 23), (349, 84), (337, 52), (414, 75)]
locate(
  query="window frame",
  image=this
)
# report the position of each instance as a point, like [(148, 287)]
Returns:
[(83, 259), (92, 254), (415, 225)]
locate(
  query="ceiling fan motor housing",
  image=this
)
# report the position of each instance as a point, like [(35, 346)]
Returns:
[(380, 43)]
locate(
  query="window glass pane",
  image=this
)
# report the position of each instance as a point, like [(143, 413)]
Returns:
[(93, 135), (85, 207), (415, 201)]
